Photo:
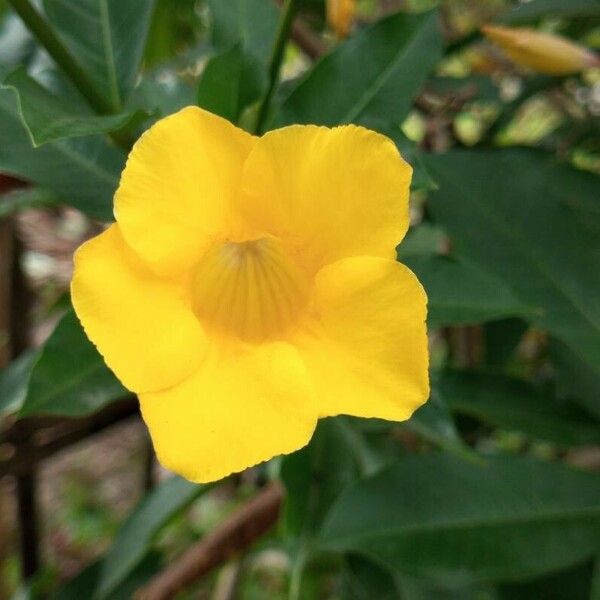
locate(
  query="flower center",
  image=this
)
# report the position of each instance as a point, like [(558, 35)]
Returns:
[(250, 290)]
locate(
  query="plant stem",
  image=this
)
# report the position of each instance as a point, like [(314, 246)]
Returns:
[(63, 58), (283, 31), (297, 572)]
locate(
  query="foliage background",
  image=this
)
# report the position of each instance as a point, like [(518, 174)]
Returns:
[(491, 490)]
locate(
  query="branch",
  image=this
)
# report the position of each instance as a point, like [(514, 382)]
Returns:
[(308, 40), (238, 532), (33, 439)]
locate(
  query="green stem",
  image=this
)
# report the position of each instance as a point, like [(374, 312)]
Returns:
[(285, 24), (297, 572), (63, 58)]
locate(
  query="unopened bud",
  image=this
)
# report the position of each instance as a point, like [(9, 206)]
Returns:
[(340, 16), (542, 52)]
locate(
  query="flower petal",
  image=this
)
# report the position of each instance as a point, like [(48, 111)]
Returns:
[(333, 192), (243, 406), (368, 352), (177, 187), (142, 325)]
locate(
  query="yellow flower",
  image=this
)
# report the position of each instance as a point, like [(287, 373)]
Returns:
[(541, 52), (340, 16), (249, 287)]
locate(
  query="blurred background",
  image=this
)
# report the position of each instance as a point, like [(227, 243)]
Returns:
[(491, 491)]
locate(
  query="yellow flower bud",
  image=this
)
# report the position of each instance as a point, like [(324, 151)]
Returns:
[(340, 16), (541, 52)]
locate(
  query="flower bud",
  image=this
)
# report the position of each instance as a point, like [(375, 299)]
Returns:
[(542, 52), (340, 16)]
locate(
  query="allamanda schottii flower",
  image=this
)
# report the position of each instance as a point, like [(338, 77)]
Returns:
[(249, 287)]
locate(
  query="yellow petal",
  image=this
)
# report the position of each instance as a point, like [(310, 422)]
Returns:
[(243, 406), (367, 352), (177, 187), (542, 52), (328, 193), (340, 16), (142, 325)]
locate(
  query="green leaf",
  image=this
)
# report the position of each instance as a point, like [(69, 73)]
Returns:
[(421, 179), (577, 380), (436, 516), (516, 405), (365, 580), (24, 198), (107, 38), (508, 211), (83, 172), (230, 82), (422, 239), (376, 72), (70, 378), (500, 341), (162, 93), (572, 584), (479, 297), (84, 584), (434, 423), (539, 9), (253, 23), (314, 477), (14, 380), (137, 533), (48, 117)]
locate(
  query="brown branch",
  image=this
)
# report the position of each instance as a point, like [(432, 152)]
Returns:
[(231, 537), (29, 441), (308, 40)]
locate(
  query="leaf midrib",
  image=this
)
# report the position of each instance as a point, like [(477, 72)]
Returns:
[(380, 80), (109, 54), (443, 526)]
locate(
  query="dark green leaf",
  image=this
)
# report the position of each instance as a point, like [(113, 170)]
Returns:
[(48, 117), (573, 584), (70, 377), (421, 240), (538, 9), (84, 585), (163, 93), (501, 339), (135, 536), (516, 405), (439, 517), (230, 82), (577, 380), (365, 580), (314, 477), (376, 72), (14, 380), (251, 22), (508, 211), (477, 298), (107, 37), (434, 423), (83, 172)]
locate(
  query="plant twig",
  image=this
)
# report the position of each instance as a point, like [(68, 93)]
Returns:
[(285, 23), (59, 52), (308, 40), (230, 538)]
